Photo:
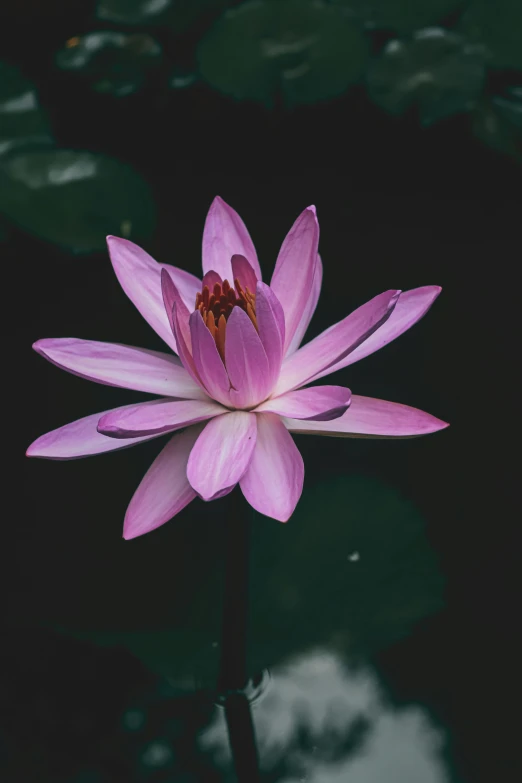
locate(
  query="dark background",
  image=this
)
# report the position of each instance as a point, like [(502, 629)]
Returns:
[(94, 624)]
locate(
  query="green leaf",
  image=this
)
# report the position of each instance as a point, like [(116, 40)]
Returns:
[(111, 62), (296, 50), (498, 123), (22, 122), (403, 16), (497, 25), (178, 15), (435, 71), (75, 198)]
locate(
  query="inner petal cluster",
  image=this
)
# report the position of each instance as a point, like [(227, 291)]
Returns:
[(216, 307)]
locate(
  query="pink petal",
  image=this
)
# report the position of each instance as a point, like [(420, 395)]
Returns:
[(121, 365), (222, 453), (156, 417), (246, 360), (410, 308), (80, 438), (171, 297), (370, 418), (319, 403), (185, 353), (224, 235), (271, 325), (164, 490), (207, 360), (210, 279), (335, 343), (293, 276), (242, 270), (309, 308), (273, 481), (139, 276)]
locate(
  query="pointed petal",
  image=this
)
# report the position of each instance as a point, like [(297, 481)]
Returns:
[(210, 279), (207, 360), (294, 271), (309, 308), (246, 361), (410, 308), (139, 276), (121, 365), (164, 490), (224, 235), (156, 417), (318, 403), (242, 270), (370, 418), (171, 297), (80, 438), (185, 353), (271, 325), (274, 479), (335, 343), (222, 453)]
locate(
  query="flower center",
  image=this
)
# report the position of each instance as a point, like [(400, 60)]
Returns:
[(215, 308)]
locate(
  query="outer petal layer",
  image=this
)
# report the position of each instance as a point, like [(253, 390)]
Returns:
[(294, 271), (156, 417), (271, 325), (410, 308), (80, 438), (319, 403), (222, 454), (330, 347), (308, 309), (226, 235), (370, 418), (247, 364), (274, 479), (121, 365), (207, 360), (139, 276), (164, 490)]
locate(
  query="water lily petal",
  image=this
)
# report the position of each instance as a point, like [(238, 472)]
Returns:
[(210, 279), (139, 276), (318, 403), (335, 343), (171, 297), (80, 438), (156, 417), (273, 482), (222, 454), (242, 270), (207, 360), (246, 360), (308, 309), (294, 271), (121, 365), (224, 235), (370, 418), (410, 308), (164, 490), (271, 325)]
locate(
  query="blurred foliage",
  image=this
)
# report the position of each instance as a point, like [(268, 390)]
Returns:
[(111, 62), (177, 15), (496, 24), (352, 570), (294, 50), (75, 198), (435, 71), (402, 16), (498, 123), (22, 121)]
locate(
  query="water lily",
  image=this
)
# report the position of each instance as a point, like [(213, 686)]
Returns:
[(241, 384)]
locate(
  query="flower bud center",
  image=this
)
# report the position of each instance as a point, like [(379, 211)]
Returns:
[(215, 308)]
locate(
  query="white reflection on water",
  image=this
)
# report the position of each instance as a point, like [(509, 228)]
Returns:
[(351, 731)]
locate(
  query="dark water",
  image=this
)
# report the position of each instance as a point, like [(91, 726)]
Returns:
[(385, 612)]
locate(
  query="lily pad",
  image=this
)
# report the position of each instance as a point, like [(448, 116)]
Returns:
[(497, 25), (498, 123), (75, 198), (178, 15), (436, 71), (296, 50), (22, 122), (111, 62), (403, 16)]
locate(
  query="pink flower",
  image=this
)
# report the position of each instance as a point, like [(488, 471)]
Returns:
[(236, 389)]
